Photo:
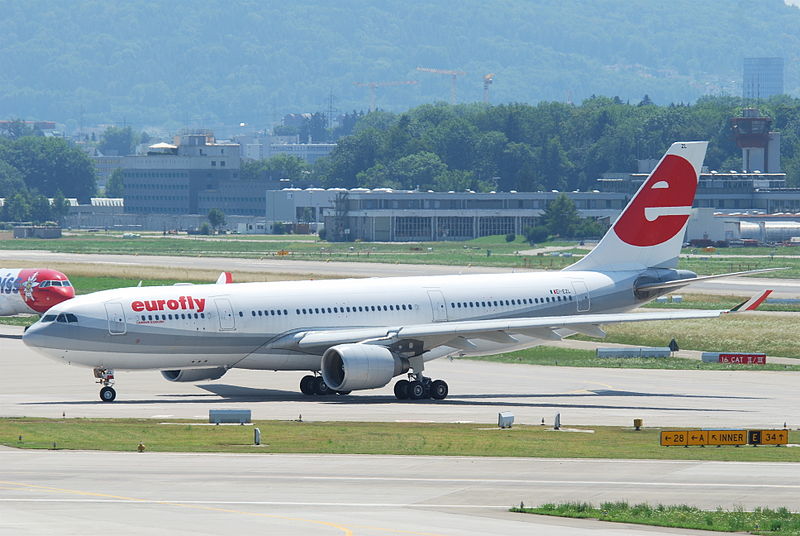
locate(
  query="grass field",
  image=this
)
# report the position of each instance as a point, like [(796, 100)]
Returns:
[(487, 251), (776, 520), (568, 357), (760, 332), (428, 439)]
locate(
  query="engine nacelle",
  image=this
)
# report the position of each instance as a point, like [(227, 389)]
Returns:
[(348, 367), (194, 374)]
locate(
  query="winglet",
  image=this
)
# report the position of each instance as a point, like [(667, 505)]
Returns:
[(751, 304), (224, 278)]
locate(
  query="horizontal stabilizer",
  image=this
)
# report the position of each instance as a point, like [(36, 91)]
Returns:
[(677, 283)]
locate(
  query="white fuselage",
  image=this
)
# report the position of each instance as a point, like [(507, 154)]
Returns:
[(251, 325)]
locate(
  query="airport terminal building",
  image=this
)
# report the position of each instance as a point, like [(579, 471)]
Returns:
[(387, 215), (402, 215)]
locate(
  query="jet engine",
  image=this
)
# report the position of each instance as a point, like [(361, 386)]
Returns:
[(348, 367), (193, 374)]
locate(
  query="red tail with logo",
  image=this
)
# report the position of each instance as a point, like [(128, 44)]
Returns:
[(649, 232)]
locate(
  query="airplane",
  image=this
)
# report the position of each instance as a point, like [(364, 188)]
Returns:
[(32, 290), (357, 334)]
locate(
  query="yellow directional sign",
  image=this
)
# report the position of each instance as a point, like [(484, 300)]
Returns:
[(770, 437), (697, 437), (689, 438), (727, 437), (674, 439)]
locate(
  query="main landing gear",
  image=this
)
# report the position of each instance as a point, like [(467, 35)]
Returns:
[(106, 377), (315, 385), (418, 387)]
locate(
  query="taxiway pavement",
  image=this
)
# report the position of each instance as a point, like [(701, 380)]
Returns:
[(62, 492)]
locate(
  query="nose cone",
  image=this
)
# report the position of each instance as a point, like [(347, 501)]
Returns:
[(48, 297), (34, 336), (43, 339), (62, 294)]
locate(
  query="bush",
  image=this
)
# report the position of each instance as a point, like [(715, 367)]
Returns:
[(510, 237), (536, 234), (205, 229)]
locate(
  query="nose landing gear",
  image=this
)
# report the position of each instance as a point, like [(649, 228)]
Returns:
[(106, 377)]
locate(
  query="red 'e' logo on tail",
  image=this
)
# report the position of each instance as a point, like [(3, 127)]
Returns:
[(663, 205)]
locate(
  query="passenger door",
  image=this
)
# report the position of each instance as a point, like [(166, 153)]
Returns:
[(225, 311), (438, 306), (116, 319), (581, 295)]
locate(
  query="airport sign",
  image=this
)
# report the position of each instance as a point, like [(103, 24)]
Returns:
[(693, 438)]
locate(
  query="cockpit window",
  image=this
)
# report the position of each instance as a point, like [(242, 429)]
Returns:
[(61, 318), (67, 317), (55, 283), (48, 318)]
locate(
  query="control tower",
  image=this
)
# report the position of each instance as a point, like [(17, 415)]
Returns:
[(761, 149)]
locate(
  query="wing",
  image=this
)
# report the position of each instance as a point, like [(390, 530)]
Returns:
[(460, 335)]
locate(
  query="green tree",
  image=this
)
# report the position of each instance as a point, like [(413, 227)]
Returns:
[(11, 180), (17, 208), (537, 233), (418, 170), (51, 164), (60, 207), (115, 186), (560, 218), (216, 218), (118, 140), (40, 209)]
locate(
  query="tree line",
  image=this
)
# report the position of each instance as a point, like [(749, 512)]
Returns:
[(35, 168), (547, 146)]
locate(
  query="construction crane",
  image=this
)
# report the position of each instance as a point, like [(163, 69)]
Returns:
[(487, 81), (452, 74), (373, 85)]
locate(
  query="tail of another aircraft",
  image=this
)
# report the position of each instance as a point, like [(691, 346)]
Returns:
[(649, 232)]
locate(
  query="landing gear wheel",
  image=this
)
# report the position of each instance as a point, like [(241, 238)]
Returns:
[(401, 390), (439, 390), (320, 387), (343, 393), (416, 391), (108, 394), (307, 385)]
